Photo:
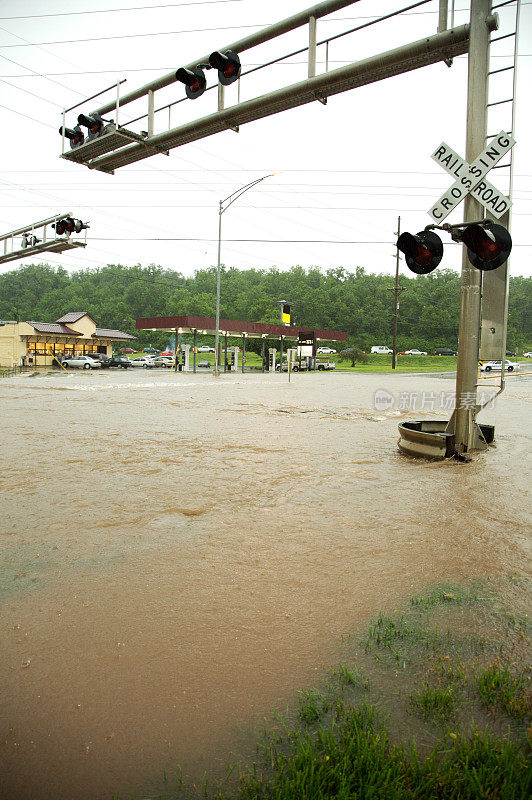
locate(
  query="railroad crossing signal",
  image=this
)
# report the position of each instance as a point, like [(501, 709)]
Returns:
[(29, 241), (487, 247), (94, 123), (74, 135), (227, 64), (470, 178), (69, 225), (194, 80), (12, 248), (423, 252)]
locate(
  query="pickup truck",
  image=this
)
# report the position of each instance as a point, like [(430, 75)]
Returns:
[(321, 366)]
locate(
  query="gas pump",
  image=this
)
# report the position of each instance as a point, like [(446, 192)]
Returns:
[(185, 357), (235, 358), (272, 353)]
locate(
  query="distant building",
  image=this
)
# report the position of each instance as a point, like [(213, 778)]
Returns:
[(38, 343)]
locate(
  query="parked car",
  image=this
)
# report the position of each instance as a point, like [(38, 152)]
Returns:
[(527, 355), (82, 362), (444, 351), (103, 358), (205, 364), (127, 350), (381, 350), (143, 361), (509, 366), (414, 352), (168, 354), (205, 349), (162, 361), (151, 350), (119, 361), (325, 350)]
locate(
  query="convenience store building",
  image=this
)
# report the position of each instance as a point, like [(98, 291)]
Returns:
[(36, 344)]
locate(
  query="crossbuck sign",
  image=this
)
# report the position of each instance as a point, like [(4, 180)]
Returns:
[(471, 178)]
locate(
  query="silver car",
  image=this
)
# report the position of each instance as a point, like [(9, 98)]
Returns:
[(162, 361), (82, 362), (143, 361)]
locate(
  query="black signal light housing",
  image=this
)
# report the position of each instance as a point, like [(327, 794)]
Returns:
[(488, 246), (94, 123), (227, 64), (74, 135), (69, 225), (194, 80), (423, 251)]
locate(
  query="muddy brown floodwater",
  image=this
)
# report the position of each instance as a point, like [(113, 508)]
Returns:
[(180, 555)]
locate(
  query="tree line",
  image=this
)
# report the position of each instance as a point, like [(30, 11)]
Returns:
[(359, 302)]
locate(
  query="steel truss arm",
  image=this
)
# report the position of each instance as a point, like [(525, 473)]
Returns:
[(430, 50)]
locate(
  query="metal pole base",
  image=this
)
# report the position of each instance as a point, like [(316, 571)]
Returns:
[(432, 439)]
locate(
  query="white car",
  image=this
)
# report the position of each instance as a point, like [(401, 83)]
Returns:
[(143, 361), (325, 350), (205, 349), (415, 352), (381, 350), (527, 355), (82, 362), (492, 366)]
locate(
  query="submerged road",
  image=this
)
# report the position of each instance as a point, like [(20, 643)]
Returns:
[(180, 554)]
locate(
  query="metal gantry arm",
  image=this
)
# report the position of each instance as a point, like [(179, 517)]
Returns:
[(222, 207), (48, 244)]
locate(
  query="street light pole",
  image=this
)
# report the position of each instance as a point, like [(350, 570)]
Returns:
[(222, 207)]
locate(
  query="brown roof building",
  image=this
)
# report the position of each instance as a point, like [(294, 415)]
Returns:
[(37, 343)]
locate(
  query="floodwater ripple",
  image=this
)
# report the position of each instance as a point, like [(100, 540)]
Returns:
[(179, 556)]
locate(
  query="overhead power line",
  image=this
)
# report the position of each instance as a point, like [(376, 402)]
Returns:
[(120, 10)]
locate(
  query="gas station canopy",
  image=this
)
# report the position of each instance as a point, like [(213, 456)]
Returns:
[(231, 327)]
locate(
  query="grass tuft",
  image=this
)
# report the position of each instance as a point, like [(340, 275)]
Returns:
[(436, 703), (350, 677), (313, 705), (498, 686)]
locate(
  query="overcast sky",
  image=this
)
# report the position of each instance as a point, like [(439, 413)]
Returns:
[(344, 171)]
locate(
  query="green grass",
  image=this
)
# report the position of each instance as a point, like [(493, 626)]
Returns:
[(378, 363), (375, 363), (312, 705), (444, 716), (436, 703), (505, 687), (354, 758)]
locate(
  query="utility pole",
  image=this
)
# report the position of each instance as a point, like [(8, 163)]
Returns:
[(396, 290), (462, 423)]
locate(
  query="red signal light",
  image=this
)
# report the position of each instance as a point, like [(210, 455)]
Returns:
[(423, 252), (74, 135), (94, 123), (194, 80), (487, 246), (227, 64), (69, 225)]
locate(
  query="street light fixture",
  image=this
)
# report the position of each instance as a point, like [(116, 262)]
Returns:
[(223, 206)]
